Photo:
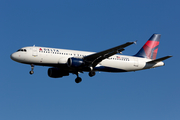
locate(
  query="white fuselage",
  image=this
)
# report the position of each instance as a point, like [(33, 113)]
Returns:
[(58, 57)]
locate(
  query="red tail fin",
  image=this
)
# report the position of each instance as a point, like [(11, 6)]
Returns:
[(150, 48)]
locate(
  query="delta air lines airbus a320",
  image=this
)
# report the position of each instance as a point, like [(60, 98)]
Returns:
[(63, 61)]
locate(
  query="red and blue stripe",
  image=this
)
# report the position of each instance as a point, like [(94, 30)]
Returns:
[(150, 48)]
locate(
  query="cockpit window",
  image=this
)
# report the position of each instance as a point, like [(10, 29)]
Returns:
[(19, 50), (23, 50)]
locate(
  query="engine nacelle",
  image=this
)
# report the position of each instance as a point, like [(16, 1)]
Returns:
[(75, 62), (56, 73)]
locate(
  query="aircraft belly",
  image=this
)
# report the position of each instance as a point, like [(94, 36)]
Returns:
[(116, 65), (120, 66)]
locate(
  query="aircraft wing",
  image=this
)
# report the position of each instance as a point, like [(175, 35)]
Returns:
[(94, 59)]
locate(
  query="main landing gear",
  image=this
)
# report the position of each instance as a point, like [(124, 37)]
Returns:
[(92, 73), (32, 68), (78, 79)]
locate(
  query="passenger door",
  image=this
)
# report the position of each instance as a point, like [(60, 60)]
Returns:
[(35, 51)]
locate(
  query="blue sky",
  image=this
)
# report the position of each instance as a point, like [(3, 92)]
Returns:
[(93, 25)]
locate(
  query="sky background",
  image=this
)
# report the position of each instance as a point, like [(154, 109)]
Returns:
[(93, 25)]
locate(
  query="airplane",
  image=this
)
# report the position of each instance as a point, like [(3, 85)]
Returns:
[(65, 61)]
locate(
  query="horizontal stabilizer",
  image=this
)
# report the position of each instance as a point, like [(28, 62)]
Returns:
[(159, 60)]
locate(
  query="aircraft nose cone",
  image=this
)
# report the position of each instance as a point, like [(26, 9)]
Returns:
[(14, 56)]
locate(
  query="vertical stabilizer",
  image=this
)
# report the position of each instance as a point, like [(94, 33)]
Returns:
[(150, 48)]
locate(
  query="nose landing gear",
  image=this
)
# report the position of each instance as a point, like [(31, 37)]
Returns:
[(32, 68)]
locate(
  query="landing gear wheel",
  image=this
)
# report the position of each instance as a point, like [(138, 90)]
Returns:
[(78, 80), (92, 73), (32, 68), (31, 72)]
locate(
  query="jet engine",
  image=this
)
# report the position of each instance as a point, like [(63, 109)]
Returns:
[(56, 73), (75, 62)]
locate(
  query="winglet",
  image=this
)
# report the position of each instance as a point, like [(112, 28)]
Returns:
[(135, 42)]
